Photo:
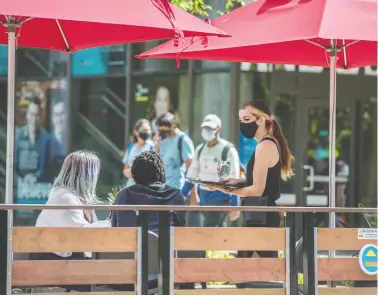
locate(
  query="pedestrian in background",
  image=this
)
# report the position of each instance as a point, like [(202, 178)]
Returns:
[(142, 142), (175, 148), (204, 167)]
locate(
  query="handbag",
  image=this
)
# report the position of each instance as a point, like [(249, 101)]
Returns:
[(258, 218)]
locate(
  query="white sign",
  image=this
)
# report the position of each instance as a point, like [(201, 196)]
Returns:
[(367, 233)]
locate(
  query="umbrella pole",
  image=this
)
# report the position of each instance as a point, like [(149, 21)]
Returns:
[(332, 139), (10, 144)]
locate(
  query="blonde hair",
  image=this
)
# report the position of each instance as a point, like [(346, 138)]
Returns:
[(79, 174), (260, 110)]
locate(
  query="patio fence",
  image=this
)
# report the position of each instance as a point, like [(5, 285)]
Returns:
[(173, 269)]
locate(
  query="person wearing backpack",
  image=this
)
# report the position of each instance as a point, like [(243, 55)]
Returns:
[(142, 142), (175, 148), (204, 167)]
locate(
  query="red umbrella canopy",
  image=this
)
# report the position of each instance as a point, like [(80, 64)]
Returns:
[(73, 25), (288, 32)]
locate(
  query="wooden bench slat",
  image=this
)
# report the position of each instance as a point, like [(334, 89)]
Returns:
[(239, 269), (85, 293), (232, 238), (251, 291), (44, 240), (341, 269), (73, 272), (348, 291), (341, 239)]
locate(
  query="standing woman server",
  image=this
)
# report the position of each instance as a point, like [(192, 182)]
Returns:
[(269, 164)]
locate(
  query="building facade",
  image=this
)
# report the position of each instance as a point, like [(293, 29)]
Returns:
[(91, 100)]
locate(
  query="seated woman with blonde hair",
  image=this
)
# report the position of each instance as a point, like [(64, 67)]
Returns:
[(75, 185)]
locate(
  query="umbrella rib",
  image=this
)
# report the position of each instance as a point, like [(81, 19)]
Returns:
[(317, 44), (25, 20), (345, 55), (68, 47)]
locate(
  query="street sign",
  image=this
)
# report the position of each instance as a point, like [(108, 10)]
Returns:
[(368, 259)]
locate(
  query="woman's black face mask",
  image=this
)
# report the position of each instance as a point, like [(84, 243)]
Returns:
[(249, 129), (145, 134)]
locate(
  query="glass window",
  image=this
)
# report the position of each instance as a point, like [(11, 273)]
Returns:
[(102, 102), (367, 154), (3, 60), (99, 125), (151, 65), (252, 85), (33, 63), (99, 61), (154, 95), (41, 140), (212, 96), (3, 137), (285, 113)]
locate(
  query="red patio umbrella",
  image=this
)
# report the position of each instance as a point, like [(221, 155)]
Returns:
[(71, 25), (326, 33)]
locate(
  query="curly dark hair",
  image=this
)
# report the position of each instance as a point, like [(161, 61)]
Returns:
[(148, 168)]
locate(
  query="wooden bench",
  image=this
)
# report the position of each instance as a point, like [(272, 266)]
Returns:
[(342, 269), (30, 273), (189, 270)]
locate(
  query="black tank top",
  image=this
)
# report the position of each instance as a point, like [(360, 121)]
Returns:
[(273, 179)]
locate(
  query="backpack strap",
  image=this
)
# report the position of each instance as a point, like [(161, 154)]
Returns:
[(130, 147), (180, 139), (225, 151), (200, 150)]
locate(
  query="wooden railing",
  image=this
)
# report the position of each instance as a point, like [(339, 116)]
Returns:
[(342, 269), (31, 273), (231, 269), (34, 273)]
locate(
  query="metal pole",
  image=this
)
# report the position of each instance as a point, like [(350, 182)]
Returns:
[(10, 113), (332, 136), (291, 249), (166, 278), (332, 139), (3, 252), (10, 145), (332, 142), (143, 253), (310, 283)]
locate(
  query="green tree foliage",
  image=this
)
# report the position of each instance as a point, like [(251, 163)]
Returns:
[(201, 8)]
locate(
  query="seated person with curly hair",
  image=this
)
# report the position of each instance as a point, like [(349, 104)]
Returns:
[(150, 189)]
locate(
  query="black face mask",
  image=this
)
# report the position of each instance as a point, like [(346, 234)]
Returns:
[(248, 130), (144, 135), (163, 134)]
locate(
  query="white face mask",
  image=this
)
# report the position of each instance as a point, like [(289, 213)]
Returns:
[(208, 134)]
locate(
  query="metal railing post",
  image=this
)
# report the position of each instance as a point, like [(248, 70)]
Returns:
[(4, 252), (166, 250), (310, 282), (142, 284), (293, 270)]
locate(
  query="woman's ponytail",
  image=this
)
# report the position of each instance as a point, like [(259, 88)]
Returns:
[(286, 157)]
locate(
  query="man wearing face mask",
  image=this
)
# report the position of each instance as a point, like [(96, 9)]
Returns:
[(204, 167), (175, 148)]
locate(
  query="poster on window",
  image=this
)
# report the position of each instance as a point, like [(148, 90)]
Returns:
[(99, 61), (154, 96), (41, 138), (3, 60)]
